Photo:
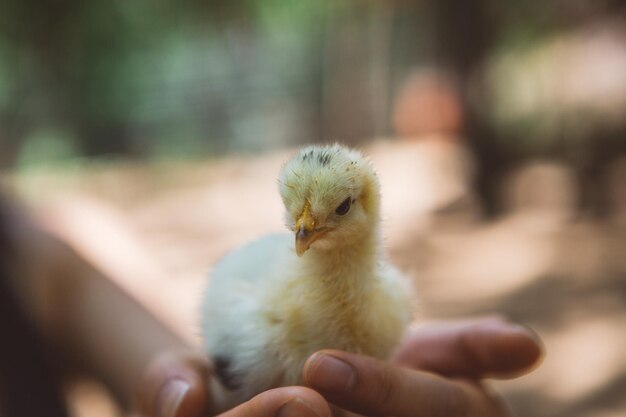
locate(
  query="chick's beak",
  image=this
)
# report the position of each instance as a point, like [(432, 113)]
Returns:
[(306, 233)]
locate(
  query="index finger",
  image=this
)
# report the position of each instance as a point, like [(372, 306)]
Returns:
[(368, 386), (472, 348), (283, 402)]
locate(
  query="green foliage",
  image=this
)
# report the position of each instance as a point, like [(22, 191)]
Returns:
[(48, 147), (208, 76)]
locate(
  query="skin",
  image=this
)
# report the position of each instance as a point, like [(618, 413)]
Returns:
[(437, 371), (80, 311)]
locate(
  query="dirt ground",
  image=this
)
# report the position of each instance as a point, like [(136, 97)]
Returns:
[(543, 264)]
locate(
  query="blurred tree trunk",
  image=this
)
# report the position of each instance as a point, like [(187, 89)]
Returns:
[(464, 36)]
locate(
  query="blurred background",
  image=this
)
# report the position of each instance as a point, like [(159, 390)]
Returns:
[(498, 130)]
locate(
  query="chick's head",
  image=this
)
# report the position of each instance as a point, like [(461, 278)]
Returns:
[(331, 197)]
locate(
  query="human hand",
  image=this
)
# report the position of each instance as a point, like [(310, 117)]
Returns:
[(436, 371), (177, 385)]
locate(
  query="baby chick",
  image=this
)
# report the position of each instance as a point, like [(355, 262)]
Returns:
[(271, 304)]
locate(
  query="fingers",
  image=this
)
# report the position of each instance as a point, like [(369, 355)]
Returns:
[(478, 348), (372, 387), (175, 385), (283, 402)]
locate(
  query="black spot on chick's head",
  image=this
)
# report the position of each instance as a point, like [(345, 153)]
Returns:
[(324, 159)]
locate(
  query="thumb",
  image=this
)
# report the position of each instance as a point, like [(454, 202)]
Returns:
[(369, 386)]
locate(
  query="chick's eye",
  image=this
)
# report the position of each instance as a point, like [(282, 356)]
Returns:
[(344, 207)]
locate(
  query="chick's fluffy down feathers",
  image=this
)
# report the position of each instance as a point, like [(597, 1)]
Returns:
[(267, 309)]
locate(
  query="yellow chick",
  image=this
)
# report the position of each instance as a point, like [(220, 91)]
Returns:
[(274, 302)]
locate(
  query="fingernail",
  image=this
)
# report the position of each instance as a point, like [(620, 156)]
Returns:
[(298, 408), (524, 330), (330, 374), (171, 396), (506, 327), (521, 329)]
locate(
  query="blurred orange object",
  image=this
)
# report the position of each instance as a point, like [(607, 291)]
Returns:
[(427, 103)]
